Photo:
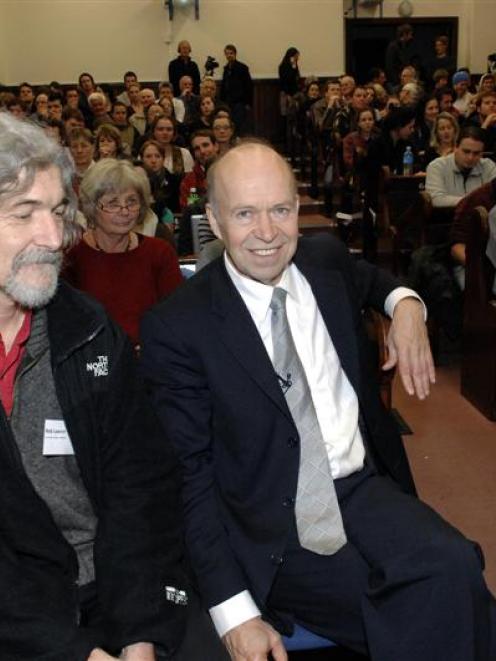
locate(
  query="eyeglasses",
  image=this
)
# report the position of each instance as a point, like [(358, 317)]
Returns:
[(114, 207)]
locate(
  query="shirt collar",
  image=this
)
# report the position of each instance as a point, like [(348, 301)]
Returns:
[(257, 296)]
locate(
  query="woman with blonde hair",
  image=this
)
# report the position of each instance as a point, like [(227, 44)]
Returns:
[(126, 271)]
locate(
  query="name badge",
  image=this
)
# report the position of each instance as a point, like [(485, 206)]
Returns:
[(56, 439)]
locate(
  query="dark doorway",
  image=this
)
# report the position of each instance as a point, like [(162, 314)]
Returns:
[(367, 40)]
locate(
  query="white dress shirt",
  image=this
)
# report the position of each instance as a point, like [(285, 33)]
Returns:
[(335, 401)]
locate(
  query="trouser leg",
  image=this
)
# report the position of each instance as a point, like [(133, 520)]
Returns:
[(407, 586)]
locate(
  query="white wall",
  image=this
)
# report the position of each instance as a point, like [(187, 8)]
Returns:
[(57, 39)]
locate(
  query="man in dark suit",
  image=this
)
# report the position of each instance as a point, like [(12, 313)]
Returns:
[(391, 578)]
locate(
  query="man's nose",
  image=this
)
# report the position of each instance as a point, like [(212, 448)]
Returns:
[(265, 229), (49, 230)]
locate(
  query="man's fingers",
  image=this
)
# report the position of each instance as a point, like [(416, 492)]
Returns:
[(279, 652)]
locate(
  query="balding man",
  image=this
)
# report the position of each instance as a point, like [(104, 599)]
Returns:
[(296, 487), (183, 65)]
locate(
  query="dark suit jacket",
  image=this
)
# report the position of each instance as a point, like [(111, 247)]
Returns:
[(217, 395)]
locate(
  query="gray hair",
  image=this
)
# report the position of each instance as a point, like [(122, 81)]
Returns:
[(243, 146), (112, 176), (25, 149)]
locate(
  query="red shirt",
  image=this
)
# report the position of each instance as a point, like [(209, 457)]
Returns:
[(127, 283), (9, 363)]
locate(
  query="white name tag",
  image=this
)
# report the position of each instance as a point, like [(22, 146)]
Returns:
[(56, 440)]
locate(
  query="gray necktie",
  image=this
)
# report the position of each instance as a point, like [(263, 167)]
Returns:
[(318, 519)]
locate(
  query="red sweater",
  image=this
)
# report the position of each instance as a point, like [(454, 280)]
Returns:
[(127, 283)]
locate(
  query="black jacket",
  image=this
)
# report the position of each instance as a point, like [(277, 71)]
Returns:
[(129, 474), (180, 67), (237, 85), (218, 396)]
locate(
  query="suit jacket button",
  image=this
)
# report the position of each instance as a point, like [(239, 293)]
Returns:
[(288, 502), (292, 442), (276, 559)]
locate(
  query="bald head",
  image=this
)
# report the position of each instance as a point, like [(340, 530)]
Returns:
[(253, 208), (240, 156)]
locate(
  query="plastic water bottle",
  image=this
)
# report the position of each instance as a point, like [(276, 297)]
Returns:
[(408, 162), (193, 196)]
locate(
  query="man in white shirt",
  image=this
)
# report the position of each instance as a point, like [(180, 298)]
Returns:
[(209, 360), (450, 178)]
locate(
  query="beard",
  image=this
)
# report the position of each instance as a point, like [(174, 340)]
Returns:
[(34, 292)]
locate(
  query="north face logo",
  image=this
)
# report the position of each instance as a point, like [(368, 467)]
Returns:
[(99, 367)]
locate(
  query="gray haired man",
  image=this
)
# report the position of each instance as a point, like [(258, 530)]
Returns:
[(89, 533)]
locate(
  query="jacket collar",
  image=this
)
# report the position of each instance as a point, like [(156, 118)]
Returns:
[(240, 336), (72, 320)]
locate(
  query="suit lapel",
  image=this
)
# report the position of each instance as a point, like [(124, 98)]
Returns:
[(237, 331)]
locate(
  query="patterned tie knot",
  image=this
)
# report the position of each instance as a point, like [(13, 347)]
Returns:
[(278, 300)]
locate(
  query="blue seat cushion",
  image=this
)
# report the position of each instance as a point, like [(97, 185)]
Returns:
[(302, 639)]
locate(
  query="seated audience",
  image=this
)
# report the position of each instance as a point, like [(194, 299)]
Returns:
[(484, 196), (108, 142), (450, 178), (205, 115), (178, 160), (166, 91), (440, 79), (208, 87), (485, 117), (427, 112), (71, 96), (41, 105), (81, 144), (205, 149), (347, 84), (99, 107), (223, 129), (129, 135), (410, 95), (86, 87), (55, 105), (130, 78), (125, 271), (461, 84), (163, 184), (446, 99), (26, 96), (443, 138), (487, 83), (72, 118), (190, 100)]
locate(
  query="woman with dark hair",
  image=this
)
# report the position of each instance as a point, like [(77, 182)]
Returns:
[(87, 86), (178, 160), (289, 74), (427, 111), (163, 184)]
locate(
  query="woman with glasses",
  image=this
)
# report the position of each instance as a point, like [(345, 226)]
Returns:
[(124, 270)]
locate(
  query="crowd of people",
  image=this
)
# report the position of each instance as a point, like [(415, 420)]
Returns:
[(190, 462)]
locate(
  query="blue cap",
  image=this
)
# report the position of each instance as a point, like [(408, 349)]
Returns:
[(460, 77)]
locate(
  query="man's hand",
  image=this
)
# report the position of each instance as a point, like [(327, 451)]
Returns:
[(408, 345), (99, 655), (138, 652), (253, 641)]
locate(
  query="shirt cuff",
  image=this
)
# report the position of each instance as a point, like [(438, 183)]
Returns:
[(233, 611), (398, 295)]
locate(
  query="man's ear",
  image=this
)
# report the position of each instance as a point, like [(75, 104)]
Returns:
[(214, 225)]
